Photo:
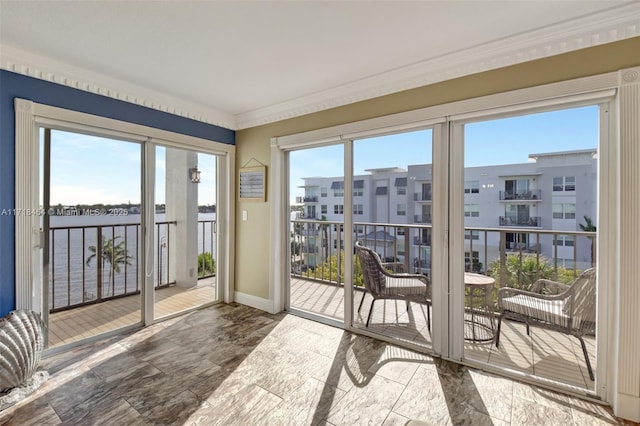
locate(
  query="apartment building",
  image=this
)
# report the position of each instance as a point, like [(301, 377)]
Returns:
[(552, 192)]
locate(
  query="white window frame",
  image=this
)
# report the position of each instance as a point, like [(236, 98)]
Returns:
[(599, 89), (30, 116)]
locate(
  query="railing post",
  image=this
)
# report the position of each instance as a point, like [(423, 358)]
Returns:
[(407, 248), (503, 258), (99, 260)]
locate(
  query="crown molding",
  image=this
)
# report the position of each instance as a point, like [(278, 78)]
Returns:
[(26, 63), (613, 25)]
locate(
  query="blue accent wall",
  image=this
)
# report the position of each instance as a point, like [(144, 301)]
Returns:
[(13, 86)]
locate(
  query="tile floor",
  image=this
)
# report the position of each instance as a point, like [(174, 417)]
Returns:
[(234, 365)]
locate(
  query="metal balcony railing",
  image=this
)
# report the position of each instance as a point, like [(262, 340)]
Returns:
[(422, 218), (533, 195), (500, 252), (94, 263), (534, 221), (422, 197)]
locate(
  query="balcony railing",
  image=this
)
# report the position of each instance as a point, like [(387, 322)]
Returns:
[(94, 263), (534, 221), (533, 195), (422, 218), (534, 254), (307, 199), (422, 197)]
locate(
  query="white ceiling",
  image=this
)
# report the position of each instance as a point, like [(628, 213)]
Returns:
[(240, 64)]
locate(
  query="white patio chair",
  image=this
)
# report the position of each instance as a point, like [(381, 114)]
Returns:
[(555, 306)]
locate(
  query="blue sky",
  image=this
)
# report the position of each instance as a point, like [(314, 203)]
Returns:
[(490, 142), (91, 170)]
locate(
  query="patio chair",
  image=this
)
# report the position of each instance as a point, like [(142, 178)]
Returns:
[(382, 284), (555, 306)]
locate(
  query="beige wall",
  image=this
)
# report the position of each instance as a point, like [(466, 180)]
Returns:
[(252, 236)]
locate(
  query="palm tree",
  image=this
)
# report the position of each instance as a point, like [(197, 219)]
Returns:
[(112, 253), (588, 226)]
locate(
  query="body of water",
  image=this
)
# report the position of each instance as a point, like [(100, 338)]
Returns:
[(74, 276)]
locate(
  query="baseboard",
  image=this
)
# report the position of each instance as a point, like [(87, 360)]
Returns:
[(253, 301), (628, 407)]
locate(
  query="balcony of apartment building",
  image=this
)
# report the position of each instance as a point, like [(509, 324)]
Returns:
[(532, 195), (532, 221), (307, 199), (422, 218)]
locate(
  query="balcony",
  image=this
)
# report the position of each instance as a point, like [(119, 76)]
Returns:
[(535, 222), (533, 195), (307, 199), (93, 263), (422, 241), (422, 218), (422, 197)]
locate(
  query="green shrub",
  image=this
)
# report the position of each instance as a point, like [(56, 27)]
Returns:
[(206, 264)]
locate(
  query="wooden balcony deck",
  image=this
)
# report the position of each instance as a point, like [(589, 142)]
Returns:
[(546, 354), (90, 320)]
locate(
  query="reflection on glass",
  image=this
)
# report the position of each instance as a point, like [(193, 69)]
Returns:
[(185, 222), (91, 200)]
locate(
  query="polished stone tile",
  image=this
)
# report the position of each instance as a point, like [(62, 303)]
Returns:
[(529, 413), (109, 412), (81, 391), (424, 398), (395, 419), (487, 394), (34, 412), (368, 404), (231, 364), (173, 411), (307, 405)]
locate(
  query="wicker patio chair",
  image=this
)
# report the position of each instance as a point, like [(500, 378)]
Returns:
[(382, 284), (555, 306)]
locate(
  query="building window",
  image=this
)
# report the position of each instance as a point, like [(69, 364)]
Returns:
[(323, 209), (335, 244), (400, 247), (338, 192), (357, 209), (471, 210), (335, 228), (338, 209), (401, 190), (565, 240), (359, 229), (402, 210), (567, 263), (471, 235), (471, 186), (358, 188), (564, 211), (323, 192), (564, 183), (400, 232), (382, 190)]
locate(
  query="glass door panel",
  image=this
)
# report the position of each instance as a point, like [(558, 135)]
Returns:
[(392, 221), (185, 243), (90, 193), (530, 213), (317, 231)]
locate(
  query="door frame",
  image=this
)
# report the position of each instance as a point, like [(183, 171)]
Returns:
[(30, 117)]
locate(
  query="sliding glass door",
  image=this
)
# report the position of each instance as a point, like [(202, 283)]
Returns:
[(530, 218), (185, 243), (316, 232), (392, 221), (90, 195)]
